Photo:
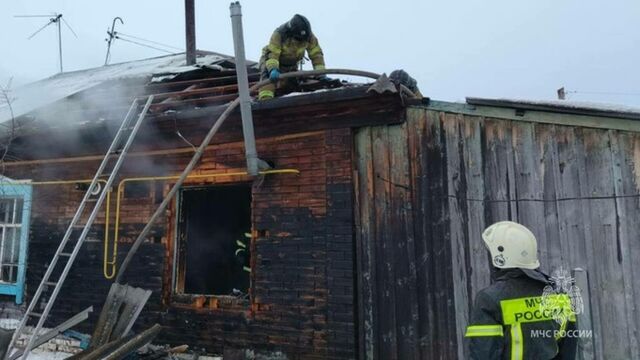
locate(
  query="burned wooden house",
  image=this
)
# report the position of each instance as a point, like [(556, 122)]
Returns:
[(362, 241)]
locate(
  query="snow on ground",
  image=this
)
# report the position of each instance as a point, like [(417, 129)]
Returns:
[(9, 324), (47, 355)]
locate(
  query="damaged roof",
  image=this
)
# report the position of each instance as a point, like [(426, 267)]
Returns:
[(89, 105), (34, 96)]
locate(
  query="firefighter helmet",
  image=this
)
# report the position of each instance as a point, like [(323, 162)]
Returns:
[(299, 27), (511, 245)]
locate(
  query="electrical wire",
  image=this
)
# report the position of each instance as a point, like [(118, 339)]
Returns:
[(145, 45), (69, 26), (149, 41)]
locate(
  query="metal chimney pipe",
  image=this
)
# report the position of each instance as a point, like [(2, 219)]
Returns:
[(190, 31), (243, 90)]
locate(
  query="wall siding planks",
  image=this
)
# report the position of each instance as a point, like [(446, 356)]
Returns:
[(451, 175)]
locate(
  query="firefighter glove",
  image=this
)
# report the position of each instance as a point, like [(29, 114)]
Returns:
[(274, 75)]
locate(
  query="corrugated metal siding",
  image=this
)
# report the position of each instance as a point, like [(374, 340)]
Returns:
[(426, 190)]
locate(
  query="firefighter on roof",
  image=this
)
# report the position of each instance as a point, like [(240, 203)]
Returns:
[(509, 319), (285, 51)]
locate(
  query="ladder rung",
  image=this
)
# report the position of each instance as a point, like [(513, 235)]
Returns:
[(65, 254), (35, 314), (50, 283)]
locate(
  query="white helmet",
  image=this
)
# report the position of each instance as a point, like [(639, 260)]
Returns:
[(511, 245)]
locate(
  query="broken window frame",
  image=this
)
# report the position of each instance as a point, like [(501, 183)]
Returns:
[(23, 192), (178, 269)]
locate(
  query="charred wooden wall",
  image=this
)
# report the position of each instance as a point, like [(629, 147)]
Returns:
[(303, 253), (426, 190)]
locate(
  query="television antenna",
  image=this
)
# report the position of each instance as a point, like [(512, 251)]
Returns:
[(56, 19), (112, 36)]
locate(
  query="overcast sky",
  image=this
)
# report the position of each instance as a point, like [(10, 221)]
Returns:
[(454, 48)]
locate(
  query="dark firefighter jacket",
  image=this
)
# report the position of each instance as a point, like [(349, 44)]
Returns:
[(508, 322), (284, 52)]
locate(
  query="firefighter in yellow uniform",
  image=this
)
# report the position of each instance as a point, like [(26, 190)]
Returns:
[(508, 320), (285, 51)]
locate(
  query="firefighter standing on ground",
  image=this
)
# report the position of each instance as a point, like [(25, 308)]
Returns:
[(285, 51), (507, 315)]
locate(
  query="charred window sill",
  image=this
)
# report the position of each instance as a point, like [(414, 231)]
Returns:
[(210, 302)]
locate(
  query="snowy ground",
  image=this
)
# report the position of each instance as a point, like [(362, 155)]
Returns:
[(46, 355), (36, 354)]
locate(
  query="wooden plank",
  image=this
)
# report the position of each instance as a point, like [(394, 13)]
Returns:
[(480, 274), (581, 148), (417, 140), (627, 229), (585, 350), (365, 240), (566, 174), (529, 186), (135, 300), (496, 172), (386, 267), (548, 158), (477, 266), (441, 269), (536, 116), (458, 220), (608, 283), (403, 244), (556, 109), (108, 315), (432, 186), (631, 181)]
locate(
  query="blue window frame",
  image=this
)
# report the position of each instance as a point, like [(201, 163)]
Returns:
[(15, 212)]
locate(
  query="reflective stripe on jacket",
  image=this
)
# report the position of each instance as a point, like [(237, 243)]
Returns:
[(288, 52), (508, 321)]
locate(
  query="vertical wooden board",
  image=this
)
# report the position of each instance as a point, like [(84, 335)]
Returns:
[(581, 146), (456, 197), (529, 186), (403, 244), (632, 187), (608, 272), (441, 250), (497, 182), (565, 168), (434, 270), (627, 227), (512, 174), (480, 274), (572, 212), (387, 336), (420, 135), (547, 148), (365, 239)]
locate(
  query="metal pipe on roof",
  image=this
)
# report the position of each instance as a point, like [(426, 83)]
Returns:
[(243, 89), (190, 31)]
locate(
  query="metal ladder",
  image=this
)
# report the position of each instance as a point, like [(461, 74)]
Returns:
[(120, 147)]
